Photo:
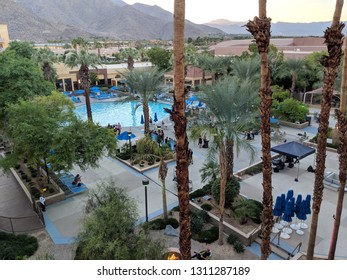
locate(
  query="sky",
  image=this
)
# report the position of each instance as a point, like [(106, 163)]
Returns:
[(202, 11)]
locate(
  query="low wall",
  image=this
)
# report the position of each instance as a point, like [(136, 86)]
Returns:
[(294, 125), (245, 238)]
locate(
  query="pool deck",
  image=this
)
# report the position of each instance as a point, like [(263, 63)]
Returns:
[(63, 219)]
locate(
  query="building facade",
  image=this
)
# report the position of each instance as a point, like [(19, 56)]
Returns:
[(4, 37)]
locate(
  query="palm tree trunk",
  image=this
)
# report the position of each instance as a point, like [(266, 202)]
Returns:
[(223, 182), (229, 158), (146, 115), (163, 192), (178, 116), (85, 83), (342, 128), (333, 39), (260, 29)]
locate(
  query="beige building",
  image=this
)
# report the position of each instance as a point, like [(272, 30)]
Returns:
[(110, 74), (296, 48), (4, 38)]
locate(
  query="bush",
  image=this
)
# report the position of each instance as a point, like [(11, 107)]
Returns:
[(239, 247), (196, 223), (14, 247), (292, 110), (159, 224), (197, 193), (206, 206), (35, 192), (246, 208), (232, 190), (232, 239), (207, 236)]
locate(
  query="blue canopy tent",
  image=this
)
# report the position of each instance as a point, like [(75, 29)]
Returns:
[(294, 150)]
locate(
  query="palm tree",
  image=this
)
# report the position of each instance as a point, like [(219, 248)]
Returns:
[(84, 60), (342, 127), (78, 43), (97, 45), (180, 120), (228, 104), (294, 68), (145, 83), (246, 68), (213, 64), (334, 39), (260, 29), (162, 173), (45, 58)]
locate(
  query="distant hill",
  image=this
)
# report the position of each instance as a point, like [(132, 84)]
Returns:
[(24, 25), (42, 20), (277, 29)]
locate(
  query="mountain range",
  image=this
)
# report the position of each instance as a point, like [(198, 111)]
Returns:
[(43, 20), (298, 29)]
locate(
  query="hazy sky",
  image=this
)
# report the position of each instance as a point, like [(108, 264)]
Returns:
[(202, 11)]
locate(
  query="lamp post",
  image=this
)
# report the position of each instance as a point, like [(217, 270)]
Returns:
[(145, 183), (129, 137)]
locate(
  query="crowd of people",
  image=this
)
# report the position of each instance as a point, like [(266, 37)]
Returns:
[(117, 128)]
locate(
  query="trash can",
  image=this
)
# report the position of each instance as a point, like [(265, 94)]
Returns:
[(308, 119)]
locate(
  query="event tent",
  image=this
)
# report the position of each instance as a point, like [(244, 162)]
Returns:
[(294, 150)]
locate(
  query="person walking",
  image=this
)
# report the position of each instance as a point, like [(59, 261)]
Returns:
[(43, 203)]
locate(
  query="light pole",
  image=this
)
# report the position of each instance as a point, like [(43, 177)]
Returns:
[(145, 183), (129, 137)]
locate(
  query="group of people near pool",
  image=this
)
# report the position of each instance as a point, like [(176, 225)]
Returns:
[(117, 128)]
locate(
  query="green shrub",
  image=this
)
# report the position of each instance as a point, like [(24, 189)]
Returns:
[(197, 193), (206, 206), (259, 209), (232, 239), (196, 222), (159, 224), (239, 247), (35, 192), (245, 208), (254, 169), (292, 110), (207, 236), (205, 217), (14, 247), (51, 190), (232, 190)]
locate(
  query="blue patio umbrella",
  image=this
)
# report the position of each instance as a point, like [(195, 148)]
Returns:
[(277, 211), (155, 117), (302, 211), (114, 88), (193, 98), (290, 194), (142, 121), (298, 204), (308, 204), (95, 89), (287, 217), (124, 136)]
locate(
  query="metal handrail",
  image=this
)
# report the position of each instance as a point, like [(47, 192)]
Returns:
[(292, 253)]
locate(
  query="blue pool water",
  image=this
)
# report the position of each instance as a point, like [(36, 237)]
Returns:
[(106, 113)]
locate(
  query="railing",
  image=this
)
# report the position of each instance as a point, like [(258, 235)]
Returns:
[(290, 255), (20, 224)]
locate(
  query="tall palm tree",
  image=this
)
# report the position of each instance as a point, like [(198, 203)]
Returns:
[(180, 120), (45, 58), (294, 68), (260, 29), (342, 127), (334, 39), (97, 45), (162, 173), (84, 60), (228, 104), (145, 83)]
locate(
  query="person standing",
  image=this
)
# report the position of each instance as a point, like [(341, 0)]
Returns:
[(43, 203)]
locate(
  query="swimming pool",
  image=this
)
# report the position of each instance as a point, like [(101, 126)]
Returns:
[(106, 113)]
